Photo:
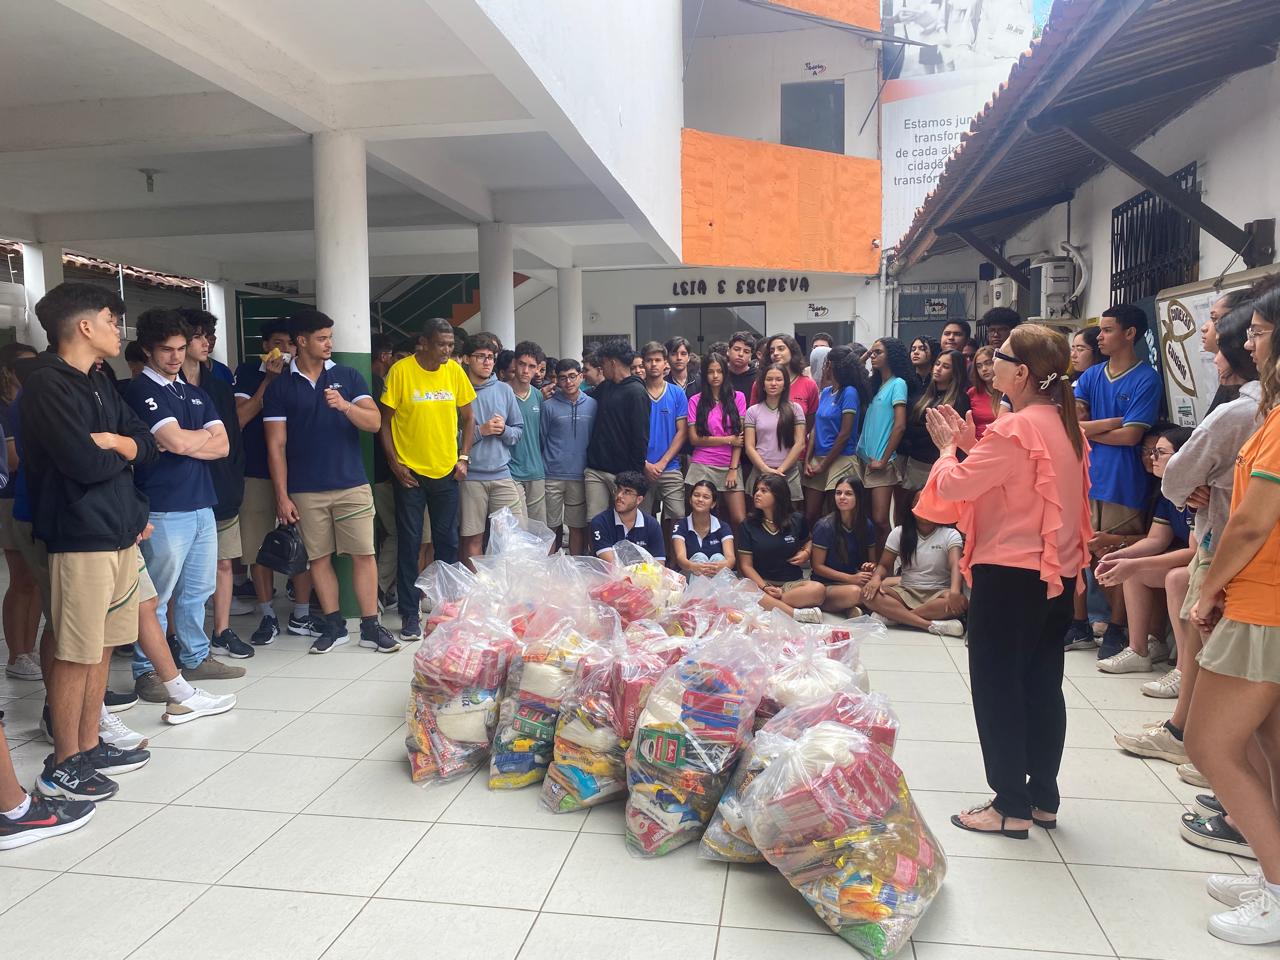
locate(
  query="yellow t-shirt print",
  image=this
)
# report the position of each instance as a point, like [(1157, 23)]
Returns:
[(424, 427)]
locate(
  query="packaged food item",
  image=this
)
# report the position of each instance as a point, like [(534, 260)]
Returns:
[(711, 601), (638, 587), (446, 587), (458, 677), (695, 720), (832, 811), (816, 661)]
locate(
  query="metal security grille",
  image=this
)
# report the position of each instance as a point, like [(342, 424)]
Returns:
[(1153, 246)]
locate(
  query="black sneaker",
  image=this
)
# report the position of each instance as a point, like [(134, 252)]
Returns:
[(44, 818), (307, 626), (247, 591), (236, 648), (268, 630), (1113, 641), (1214, 833), (110, 760), (411, 628), (119, 702), (334, 634), (1209, 805), (1079, 636), (46, 723), (378, 637), (288, 591), (75, 779), (124, 651)]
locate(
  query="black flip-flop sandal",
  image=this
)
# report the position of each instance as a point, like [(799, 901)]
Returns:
[(1004, 831), (1044, 824)]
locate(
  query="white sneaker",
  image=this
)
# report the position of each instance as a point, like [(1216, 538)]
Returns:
[(946, 628), (1126, 661), (24, 667), (1157, 743), (1166, 688), (113, 731), (1255, 921), (1157, 649), (202, 703), (1231, 888), (1189, 774), (807, 615)]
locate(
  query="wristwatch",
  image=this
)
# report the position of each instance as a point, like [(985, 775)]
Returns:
[(464, 457)]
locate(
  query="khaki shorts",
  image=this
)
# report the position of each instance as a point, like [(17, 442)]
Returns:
[(229, 539), (913, 597), (146, 589), (566, 504), (7, 541), (719, 477), (669, 490), (889, 475), (1242, 650), (792, 477), (601, 488), (841, 467), (916, 474), (336, 521), (37, 557), (95, 602), (479, 498), (535, 499), (1197, 567), (257, 516), (786, 586), (1116, 518)]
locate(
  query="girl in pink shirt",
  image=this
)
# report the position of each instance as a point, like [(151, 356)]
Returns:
[(1021, 500), (785, 350)]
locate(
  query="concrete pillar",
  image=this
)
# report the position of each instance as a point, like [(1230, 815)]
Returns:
[(342, 272), (221, 298), (41, 272), (497, 290), (569, 292)]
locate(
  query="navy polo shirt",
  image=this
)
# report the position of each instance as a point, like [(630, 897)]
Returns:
[(607, 530), (709, 546), (173, 483), (248, 376), (322, 449)]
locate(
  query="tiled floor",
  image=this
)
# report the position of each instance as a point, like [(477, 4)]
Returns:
[(289, 829)]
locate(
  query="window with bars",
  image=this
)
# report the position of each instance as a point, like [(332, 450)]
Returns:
[(1153, 246)]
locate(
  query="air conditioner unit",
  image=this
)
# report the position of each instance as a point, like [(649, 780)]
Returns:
[(1055, 277)]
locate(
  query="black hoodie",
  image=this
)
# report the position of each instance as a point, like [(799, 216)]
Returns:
[(620, 436), (82, 497)]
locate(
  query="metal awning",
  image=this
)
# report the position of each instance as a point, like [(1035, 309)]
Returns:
[(1105, 75)]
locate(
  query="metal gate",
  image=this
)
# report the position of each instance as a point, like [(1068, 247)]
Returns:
[(1153, 246)]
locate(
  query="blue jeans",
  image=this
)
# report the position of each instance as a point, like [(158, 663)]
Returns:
[(440, 498), (182, 561)]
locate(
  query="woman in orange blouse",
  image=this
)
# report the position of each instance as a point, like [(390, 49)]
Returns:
[(1020, 499)]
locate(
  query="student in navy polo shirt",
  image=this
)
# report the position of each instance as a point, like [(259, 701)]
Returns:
[(626, 521), (668, 422), (258, 507), (312, 417), (182, 551)]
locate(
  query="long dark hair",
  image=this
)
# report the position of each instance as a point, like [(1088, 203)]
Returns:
[(899, 360), (931, 345), (786, 413), (930, 396), (798, 358), (909, 540), (706, 401), (782, 507), (1232, 332), (840, 546), (847, 371), (701, 483), (10, 353)]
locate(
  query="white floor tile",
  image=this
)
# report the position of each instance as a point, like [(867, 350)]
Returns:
[(110, 820), (943, 722), (481, 866), (390, 929), (556, 936), (297, 694), (758, 896), (955, 767), (740, 944), (101, 929), (16, 883), (392, 747), (1107, 775), (479, 805), (341, 855), (395, 667), (1121, 899), (373, 698), (241, 729), (921, 687), (348, 662), (1167, 774), (171, 773), (228, 923), (190, 844), (606, 818), (1121, 834), (886, 657), (1114, 692), (601, 879), (950, 951), (1132, 721), (382, 790), (1087, 728), (937, 808), (329, 735), (1007, 903), (263, 781)]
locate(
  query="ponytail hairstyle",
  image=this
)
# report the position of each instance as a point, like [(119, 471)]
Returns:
[(930, 396), (910, 538), (786, 413), (1047, 356), (706, 401)]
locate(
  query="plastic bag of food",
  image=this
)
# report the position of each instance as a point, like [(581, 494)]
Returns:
[(816, 661), (458, 676), (709, 601), (639, 587), (446, 587), (696, 719), (833, 813)]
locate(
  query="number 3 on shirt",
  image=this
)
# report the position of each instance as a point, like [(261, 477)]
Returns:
[(151, 404)]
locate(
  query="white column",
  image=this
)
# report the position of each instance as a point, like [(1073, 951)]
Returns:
[(497, 290), (342, 238), (221, 297), (569, 292), (41, 272)]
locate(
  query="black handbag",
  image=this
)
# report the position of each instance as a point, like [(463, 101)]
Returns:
[(282, 551)]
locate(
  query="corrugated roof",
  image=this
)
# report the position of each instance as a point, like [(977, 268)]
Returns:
[(1089, 49), (149, 278)]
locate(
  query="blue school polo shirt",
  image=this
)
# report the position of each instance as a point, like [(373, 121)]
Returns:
[(665, 415), (607, 531), (322, 449), (173, 483), (1115, 473), (248, 376)]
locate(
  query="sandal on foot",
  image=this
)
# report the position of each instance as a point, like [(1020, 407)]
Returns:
[(1011, 832), (1048, 822)]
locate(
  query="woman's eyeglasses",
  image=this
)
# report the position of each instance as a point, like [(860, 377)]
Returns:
[(875, 352), (1007, 358)]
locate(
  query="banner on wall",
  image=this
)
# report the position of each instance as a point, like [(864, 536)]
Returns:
[(932, 92)]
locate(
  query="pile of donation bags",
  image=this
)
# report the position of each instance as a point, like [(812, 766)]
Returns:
[(713, 719)]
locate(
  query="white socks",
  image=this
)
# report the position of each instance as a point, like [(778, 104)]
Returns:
[(264, 610), (301, 610), (178, 689), (19, 810)]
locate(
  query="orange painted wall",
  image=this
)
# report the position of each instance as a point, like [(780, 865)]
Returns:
[(860, 13), (751, 204)]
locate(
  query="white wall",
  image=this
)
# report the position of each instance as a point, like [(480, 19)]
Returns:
[(539, 321), (733, 85), (1233, 136)]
